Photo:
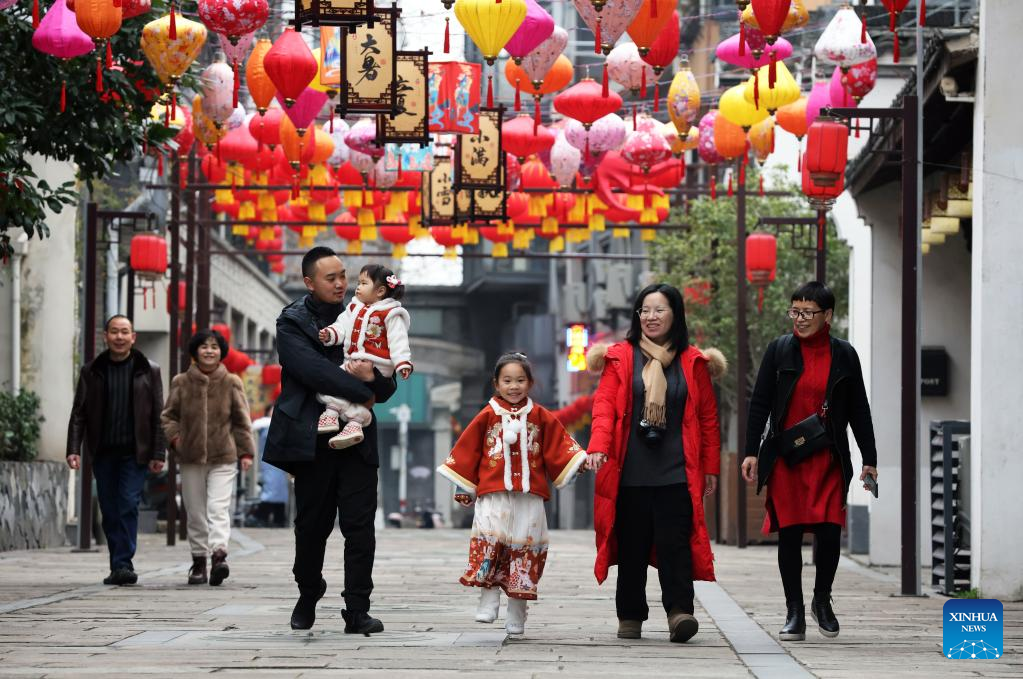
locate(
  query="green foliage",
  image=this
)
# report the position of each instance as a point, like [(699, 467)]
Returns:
[(706, 252), (96, 130), (968, 594), (19, 426)]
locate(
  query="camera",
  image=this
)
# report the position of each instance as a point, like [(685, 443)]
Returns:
[(651, 435)]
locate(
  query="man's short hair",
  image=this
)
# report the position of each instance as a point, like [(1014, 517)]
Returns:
[(816, 292), (310, 258), (106, 326)]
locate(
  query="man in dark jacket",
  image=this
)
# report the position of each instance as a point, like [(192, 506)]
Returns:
[(116, 417), (328, 483)]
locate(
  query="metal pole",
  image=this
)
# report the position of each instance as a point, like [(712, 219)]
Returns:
[(85, 471), (742, 366), (190, 226), (910, 345), (202, 283), (129, 284), (175, 275)]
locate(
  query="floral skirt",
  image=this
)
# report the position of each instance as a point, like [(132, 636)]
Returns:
[(508, 547)]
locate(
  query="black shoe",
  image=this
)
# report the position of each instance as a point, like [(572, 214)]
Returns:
[(110, 579), (197, 573), (795, 623), (129, 577), (219, 570), (361, 622), (825, 617), (304, 614), (121, 576)]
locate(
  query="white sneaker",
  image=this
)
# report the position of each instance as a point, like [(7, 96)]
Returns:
[(329, 422), (350, 436), (490, 603), (515, 622)]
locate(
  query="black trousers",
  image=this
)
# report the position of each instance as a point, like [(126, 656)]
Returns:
[(790, 559), (659, 517), (339, 483)]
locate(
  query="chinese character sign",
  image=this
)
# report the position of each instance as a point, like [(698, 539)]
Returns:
[(410, 124), (455, 97), (480, 155), (369, 67), (441, 193)]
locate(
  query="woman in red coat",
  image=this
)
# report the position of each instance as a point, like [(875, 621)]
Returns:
[(655, 424)]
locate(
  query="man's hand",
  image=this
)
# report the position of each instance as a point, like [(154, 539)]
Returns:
[(246, 463), (710, 484), (867, 469), (361, 369), (156, 466), (749, 469), (74, 461)]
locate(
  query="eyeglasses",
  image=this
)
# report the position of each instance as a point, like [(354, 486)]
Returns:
[(653, 313), (805, 314)]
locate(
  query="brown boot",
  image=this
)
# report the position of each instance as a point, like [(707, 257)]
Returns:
[(197, 573), (219, 570), (630, 629), (682, 626)]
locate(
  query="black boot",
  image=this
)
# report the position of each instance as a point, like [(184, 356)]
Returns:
[(197, 573), (795, 623), (219, 570), (820, 609), (304, 615), (361, 622)]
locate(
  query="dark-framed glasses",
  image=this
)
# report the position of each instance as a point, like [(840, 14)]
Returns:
[(804, 314)]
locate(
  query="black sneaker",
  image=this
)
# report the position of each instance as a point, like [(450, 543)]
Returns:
[(110, 579), (361, 622), (304, 614), (822, 612), (121, 576), (795, 623)]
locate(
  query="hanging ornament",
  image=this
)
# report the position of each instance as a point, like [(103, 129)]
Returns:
[(490, 24), (234, 18), (840, 42), (609, 22), (59, 36), (626, 68), (535, 28)]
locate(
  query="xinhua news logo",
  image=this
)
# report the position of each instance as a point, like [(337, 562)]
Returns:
[(972, 629)]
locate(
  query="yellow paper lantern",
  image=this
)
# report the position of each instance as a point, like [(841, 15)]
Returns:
[(737, 110), (797, 17), (761, 138), (683, 99), (759, 93), (490, 24), (203, 127), (171, 58)]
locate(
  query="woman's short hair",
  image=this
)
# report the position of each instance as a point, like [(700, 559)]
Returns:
[(678, 335), (815, 292), (199, 339)]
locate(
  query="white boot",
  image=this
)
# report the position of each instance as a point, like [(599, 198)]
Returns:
[(490, 602), (515, 622)]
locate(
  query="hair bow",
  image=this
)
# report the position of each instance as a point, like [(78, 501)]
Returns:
[(393, 281)]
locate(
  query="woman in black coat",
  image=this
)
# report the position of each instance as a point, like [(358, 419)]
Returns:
[(808, 379)]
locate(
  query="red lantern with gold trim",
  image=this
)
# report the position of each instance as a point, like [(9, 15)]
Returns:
[(761, 262), (827, 150), (290, 65)]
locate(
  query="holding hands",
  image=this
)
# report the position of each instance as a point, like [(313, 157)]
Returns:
[(464, 499), (594, 461)]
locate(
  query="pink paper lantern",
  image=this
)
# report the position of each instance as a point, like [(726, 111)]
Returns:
[(728, 52), (837, 94), (627, 68), (645, 148), (362, 138), (613, 19), (565, 160), (535, 28), (236, 52), (59, 35), (305, 109), (706, 147), (820, 98), (540, 59), (605, 134)]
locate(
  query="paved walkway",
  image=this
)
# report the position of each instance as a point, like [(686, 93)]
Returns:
[(56, 621)]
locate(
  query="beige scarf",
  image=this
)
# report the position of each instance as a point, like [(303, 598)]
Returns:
[(655, 384)]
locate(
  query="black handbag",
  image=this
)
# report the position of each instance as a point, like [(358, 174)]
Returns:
[(803, 439)]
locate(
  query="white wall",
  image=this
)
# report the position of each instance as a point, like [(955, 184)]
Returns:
[(997, 308)]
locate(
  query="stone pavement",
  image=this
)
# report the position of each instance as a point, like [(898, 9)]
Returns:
[(57, 621)]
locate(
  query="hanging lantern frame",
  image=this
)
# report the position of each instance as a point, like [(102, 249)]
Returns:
[(333, 13)]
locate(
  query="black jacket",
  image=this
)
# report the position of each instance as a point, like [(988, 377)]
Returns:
[(847, 405), (85, 428), (309, 368)]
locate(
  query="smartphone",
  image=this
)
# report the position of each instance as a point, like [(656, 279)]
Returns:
[(871, 484)]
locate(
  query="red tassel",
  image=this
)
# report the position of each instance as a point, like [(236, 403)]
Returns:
[(653, 9), (63, 95), (895, 49), (490, 91), (166, 116), (923, 12), (331, 130), (820, 231), (518, 95), (731, 191), (110, 56), (657, 97), (596, 38), (99, 74), (713, 187), (642, 80), (772, 72), (604, 88), (536, 115), (172, 31), (891, 21), (259, 144), (234, 94), (35, 14), (634, 116), (856, 126), (756, 89), (742, 38), (761, 185), (294, 187), (863, 29), (218, 151), (497, 2), (174, 105), (159, 165)]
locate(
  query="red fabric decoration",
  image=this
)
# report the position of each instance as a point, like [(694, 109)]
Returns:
[(923, 12), (596, 38), (99, 74), (587, 102), (742, 38), (447, 35), (172, 30), (604, 85), (290, 65), (490, 91), (518, 97), (63, 95), (35, 14), (657, 97), (713, 187), (110, 56)]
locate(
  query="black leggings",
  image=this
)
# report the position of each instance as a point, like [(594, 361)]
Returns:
[(790, 559)]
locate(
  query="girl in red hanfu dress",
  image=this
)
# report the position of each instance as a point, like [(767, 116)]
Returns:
[(504, 458)]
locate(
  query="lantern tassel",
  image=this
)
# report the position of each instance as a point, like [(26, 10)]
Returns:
[(597, 38), (331, 120), (99, 74), (856, 126), (518, 95), (172, 31), (35, 14), (536, 114), (713, 187), (294, 186), (923, 12), (174, 108), (760, 298), (863, 28), (110, 56), (657, 97), (891, 21), (756, 89), (63, 95), (634, 117), (159, 165), (895, 48), (731, 191), (604, 86), (490, 91), (772, 72), (742, 38), (761, 190), (642, 81), (799, 162), (234, 91), (447, 35), (166, 116)]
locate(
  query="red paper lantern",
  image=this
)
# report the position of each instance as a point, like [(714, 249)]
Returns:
[(761, 262), (522, 138), (148, 255), (214, 169), (500, 240), (182, 296), (290, 65), (665, 48), (444, 236), (827, 150), (821, 197), (236, 361), (239, 146), (649, 23), (399, 236), (271, 375), (266, 127), (224, 330), (234, 18), (770, 15), (586, 102)]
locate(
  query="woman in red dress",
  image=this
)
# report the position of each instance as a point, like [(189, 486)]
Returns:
[(801, 374)]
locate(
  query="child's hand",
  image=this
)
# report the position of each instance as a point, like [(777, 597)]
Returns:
[(595, 461), (324, 335), (464, 499), (405, 372)]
